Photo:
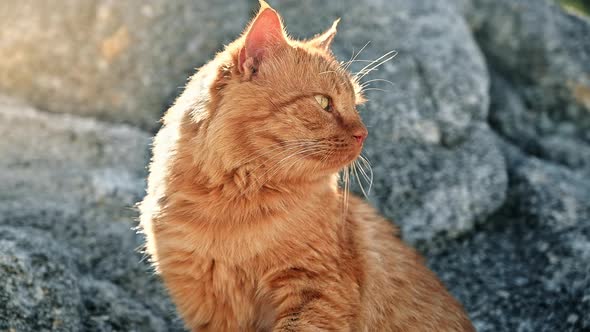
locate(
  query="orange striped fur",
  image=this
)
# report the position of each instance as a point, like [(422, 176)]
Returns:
[(244, 219)]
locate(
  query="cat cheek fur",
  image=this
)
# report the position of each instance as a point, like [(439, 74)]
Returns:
[(247, 226)]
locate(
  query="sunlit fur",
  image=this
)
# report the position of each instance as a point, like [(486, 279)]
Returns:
[(244, 218)]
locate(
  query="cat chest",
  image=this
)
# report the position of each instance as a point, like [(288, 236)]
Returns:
[(229, 294)]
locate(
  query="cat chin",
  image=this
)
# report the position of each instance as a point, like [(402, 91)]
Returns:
[(343, 161)]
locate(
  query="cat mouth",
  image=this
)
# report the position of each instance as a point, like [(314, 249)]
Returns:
[(339, 158)]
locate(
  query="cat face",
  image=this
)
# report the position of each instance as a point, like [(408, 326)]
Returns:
[(289, 103)]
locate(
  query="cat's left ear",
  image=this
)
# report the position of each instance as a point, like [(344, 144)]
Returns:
[(324, 40), (264, 36)]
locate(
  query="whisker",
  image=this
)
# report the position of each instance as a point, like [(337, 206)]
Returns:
[(261, 182), (305, 155), (359, 179), (359, 169), (377, 80), (375, 66), (260, 179), (345, 191), (274, 147), (355, 56), (367, 164), (374, 89), (360, 60), (368, 67), (291, 149)]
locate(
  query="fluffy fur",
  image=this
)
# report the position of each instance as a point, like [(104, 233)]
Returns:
[(244, 219)]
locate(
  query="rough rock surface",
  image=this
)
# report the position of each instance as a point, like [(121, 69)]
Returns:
[(548, 66), (69, 258), (479, 146), (40, 287), (117, 60), (519, 124), (528, 268)]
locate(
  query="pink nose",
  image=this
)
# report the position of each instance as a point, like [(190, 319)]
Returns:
[(360, 136)]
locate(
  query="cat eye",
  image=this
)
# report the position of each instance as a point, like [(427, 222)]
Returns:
[(324, 102)]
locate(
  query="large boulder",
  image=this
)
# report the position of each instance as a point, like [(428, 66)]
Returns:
[(541, 54), (532, 257), (528, 268), (70, 258), (436, 168), (116, 60)]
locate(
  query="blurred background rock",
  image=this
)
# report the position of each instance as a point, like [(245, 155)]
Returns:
[(480, 147)]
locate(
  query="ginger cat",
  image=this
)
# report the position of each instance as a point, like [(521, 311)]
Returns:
[(244, 219)]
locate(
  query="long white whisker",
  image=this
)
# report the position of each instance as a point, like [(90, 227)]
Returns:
[(370, 66), (376, 80), (358, 78), (367, 164), (355, 56), (374, 89), (277, 164), (278, 146), (359, 179), (290, 150), (261, 182), (358, 168)]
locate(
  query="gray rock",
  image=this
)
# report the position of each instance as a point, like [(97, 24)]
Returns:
[(545, 52), (66, 164), (517, 123), (117, 60), (436, 167), (431, 191), (108, 307), (74, 181), (40, 289), (528, 269)]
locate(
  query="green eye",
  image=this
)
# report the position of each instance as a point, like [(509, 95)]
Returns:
[(324, 102)]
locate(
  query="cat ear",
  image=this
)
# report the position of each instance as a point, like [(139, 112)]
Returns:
[(265, 35), (324, 40)]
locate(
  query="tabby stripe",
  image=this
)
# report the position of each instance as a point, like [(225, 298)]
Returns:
[(307, 296), (292, 273), (292, 100)]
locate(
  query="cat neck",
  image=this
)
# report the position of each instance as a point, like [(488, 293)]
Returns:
[(242, 196), (233, 226)]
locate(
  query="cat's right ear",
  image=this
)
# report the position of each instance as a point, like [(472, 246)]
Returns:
[(264, 36), (324, 40)]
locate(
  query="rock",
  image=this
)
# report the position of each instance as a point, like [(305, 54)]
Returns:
[(430, 148), (67, 166), (109, 307), (517, 123), (68, 189), (116, 60), (432, 191), (528, 268), (548, 64), (532, 257), (39, 290)]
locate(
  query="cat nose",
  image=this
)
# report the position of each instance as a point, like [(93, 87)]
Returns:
[(359, 135)]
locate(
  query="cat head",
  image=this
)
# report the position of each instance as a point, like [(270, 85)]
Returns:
[(286, 103)]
